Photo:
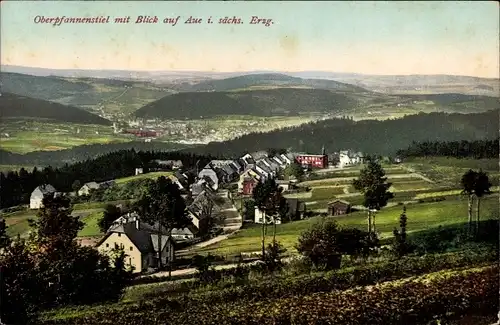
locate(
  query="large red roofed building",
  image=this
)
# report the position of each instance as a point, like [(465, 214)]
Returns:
[(315, 161)]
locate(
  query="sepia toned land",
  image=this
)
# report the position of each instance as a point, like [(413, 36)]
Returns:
[(249, 163)]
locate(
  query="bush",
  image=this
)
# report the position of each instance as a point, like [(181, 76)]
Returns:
[(325, 243)]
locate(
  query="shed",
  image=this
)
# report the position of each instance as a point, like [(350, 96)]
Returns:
[(339, 207)]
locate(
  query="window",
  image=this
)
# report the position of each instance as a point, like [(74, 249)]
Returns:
[(130, 261), (107, 245), (116, 246), (119, 234), (122, 246), (131, 248)]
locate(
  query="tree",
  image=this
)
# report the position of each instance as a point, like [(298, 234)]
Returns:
[(203, 265), (163, 205), (325, 243), (468, 182), (249, 210), (375, 188), (76, 185), (111, 213), (294, 170), (4, 238), (401, 246), (20, 285), (55, 227), (272, 259), (481, 187), (267, 197)]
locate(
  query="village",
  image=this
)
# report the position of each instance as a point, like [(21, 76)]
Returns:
[(211, 194)]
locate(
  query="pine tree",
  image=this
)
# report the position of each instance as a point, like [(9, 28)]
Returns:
[(375, 188)]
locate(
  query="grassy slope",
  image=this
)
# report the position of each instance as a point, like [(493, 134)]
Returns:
[(17, 222), (420, 217)]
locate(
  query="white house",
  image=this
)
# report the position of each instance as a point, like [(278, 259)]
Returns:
[(39, 194), (259, 216), (348, 158), (87, 187), (209, 172)]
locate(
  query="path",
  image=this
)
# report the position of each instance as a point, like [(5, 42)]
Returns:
[(193, 270), (232, 223), (413, 171)]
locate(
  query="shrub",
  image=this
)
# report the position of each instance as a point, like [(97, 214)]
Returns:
[(325, 243)]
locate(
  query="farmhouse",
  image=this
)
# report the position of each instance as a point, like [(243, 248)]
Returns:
[(339, 207), (88, 187), (210, 172), (347, 157), (39, 194), (296, 211), (139, 243)]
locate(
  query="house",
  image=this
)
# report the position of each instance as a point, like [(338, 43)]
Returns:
[(315, 161), (230, 173), (237, 166), (248, 160), (139, 171), (88, 187), (284, 185), (258, 155), (339, 207), (39, 194), (248, 185), (280, 161), (265, 173), (296, 211), (347, 158), (179, 234), (139, 243), (210, 172)]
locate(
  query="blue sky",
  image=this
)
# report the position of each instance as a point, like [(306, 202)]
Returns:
[(364, 37)]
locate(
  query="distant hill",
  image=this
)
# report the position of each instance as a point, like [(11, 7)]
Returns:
[(92, 94), (369, 136), (268, 80), (269, 102), (414, 84), (458, 102), (15, 106)]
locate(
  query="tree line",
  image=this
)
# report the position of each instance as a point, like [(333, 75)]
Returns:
[(16, 186), (478, 149), (368, 136)]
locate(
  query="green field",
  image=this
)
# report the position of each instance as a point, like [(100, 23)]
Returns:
[(420, 217), (153, 175), (30, 135), (448, 171)]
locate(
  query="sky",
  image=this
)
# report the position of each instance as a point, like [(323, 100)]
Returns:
[(458, 38)]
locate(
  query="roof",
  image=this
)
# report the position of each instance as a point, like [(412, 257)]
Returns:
[(181, 232), (228, 170), (45, 189), (220, 163), (340, 201), (237, 164), (93, 185)]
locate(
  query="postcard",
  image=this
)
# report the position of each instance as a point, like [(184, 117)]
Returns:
[(249, 162)]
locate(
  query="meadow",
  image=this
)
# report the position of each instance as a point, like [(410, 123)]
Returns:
[(22, 136), (420, 217)]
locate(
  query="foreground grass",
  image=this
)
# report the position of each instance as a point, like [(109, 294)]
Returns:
[(384, 274), (420, 217)]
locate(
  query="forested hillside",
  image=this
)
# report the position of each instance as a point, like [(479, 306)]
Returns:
[(479, 149), (17, 186), (80, 153), (370, 136), (268, 102), (268, 80), (15, 106)]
